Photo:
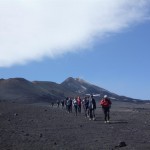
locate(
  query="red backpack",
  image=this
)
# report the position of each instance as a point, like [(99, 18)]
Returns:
[(105, 102)]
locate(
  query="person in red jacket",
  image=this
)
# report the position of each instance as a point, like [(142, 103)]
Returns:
[(79, 104), (106, 104)]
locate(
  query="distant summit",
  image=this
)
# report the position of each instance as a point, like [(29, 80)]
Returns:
[(82, 87), (22, 90)]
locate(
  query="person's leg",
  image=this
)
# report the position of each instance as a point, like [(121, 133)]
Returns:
[(88, 112), (93, 114), (105, 114), (84, 110), (69, 108), (80, 108), (75, 109), (108, 116)]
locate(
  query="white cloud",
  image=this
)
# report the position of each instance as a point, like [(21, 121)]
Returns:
[(33, 29)]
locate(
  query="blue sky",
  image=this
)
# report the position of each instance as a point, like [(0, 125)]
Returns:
[(109, 48)]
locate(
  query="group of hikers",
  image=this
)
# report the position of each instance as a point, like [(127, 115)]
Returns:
[(88, 104)]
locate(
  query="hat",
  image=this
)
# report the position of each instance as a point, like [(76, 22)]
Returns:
[(105, 96)]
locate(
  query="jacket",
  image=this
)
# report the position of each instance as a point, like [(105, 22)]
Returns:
[(105, 102)]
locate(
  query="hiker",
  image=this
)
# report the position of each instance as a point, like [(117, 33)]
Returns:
[(71, 105), (52, 104), (75, 105), (58, 102), (85, 104), (92, 108), (68, 104), (106, 104), (62, 103), (79, 104), (65, 103)]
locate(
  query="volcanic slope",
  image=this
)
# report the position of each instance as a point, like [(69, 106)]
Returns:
[(22, 90)]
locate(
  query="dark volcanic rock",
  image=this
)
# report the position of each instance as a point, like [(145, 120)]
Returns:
[(66, 131), (121, 144)]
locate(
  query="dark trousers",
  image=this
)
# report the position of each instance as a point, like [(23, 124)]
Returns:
[(79, 108), (75, 109), (69, 108), (106, 113), (92, 113), (86, 111)]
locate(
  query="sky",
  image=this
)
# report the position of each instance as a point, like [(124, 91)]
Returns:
[(104, 42)]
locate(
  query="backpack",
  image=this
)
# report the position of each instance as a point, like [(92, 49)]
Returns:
[(75, 102), (105, 102), (69, 102)]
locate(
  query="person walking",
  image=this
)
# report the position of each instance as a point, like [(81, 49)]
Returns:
[(79, 104), (85, 104), (62, 103), (52, 104), (71, 105), (92, 108), (75, 105), (68, 104), (58, 102), (106, 105)]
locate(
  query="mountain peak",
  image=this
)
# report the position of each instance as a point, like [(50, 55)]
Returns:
[(81, 80), (71, 79)]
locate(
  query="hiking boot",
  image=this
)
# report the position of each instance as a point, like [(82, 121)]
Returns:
[(89, 118), (108, 121), (105, 121)]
